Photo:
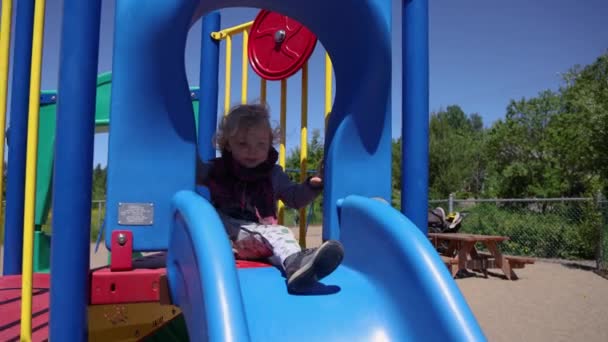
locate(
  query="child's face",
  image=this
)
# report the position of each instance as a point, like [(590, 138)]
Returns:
[(250, 146)]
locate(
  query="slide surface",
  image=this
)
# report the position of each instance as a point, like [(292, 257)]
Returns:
[(392, 285)]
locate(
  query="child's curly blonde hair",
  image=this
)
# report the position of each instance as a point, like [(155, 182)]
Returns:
[(244, 116)]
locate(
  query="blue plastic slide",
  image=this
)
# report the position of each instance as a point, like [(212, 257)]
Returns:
[(392, 285)]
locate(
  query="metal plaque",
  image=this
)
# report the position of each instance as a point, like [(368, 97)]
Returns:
[(136, 214)]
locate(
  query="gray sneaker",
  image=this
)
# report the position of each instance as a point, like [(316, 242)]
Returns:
[(305, 268)]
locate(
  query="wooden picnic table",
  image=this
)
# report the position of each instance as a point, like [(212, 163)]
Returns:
[(462, 254)]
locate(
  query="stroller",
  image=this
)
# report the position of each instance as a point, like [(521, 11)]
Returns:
[(439, 222)]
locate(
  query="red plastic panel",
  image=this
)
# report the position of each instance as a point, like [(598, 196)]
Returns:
[(139, 285), (251, 264), (122, 250), (10, 307), (278, 45)]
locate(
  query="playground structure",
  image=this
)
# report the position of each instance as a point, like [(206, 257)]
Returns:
[(46, 136), (44, 165), (152, 205)]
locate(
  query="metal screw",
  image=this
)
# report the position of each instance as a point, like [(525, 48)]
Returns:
[(122, 239), (279, 36)]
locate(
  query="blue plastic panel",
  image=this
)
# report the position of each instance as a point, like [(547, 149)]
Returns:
[(73, 167), (152, 141), (17, 138), (201, 272), (387, 247), (152, 135), (392, 285), (415, 104), (356, 34)]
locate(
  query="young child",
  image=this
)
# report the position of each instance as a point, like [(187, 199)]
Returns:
[(245, 184)]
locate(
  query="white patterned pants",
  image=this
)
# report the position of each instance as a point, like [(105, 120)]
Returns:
[(254, 241)]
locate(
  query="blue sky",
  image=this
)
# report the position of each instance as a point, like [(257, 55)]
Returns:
[(482, 54)]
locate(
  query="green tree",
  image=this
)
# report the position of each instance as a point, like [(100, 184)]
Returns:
[(455, 118), (313, 161), (522, 163), (476, 122), (583, 129), (456, 161), (99, 182), (314, 155), (554, 144)]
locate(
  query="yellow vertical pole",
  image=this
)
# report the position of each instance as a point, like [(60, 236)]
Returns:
[(263, 90), (228, 74), (30, 173), (245, 68), (303, 148), (282, 151), (328, 84), (5, 45)]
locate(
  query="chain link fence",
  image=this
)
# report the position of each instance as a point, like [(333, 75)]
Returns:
[(602, 253), (564, 228)]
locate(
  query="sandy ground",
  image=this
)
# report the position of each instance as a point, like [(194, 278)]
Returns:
[(550, 302)]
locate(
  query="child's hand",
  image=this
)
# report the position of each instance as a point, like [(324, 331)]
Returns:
[(316, 181)]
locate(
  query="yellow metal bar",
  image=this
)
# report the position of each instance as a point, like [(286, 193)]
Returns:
[(5, 45), (245, 68), (30, 173), (227, 32), (303, 148), (228, 74), (328, 84), (282, 138), (263, 90)]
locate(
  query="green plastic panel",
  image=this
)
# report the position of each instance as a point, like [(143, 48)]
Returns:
[(42, 255)]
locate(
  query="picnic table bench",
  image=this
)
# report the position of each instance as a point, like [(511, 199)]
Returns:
[(462, 254)]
